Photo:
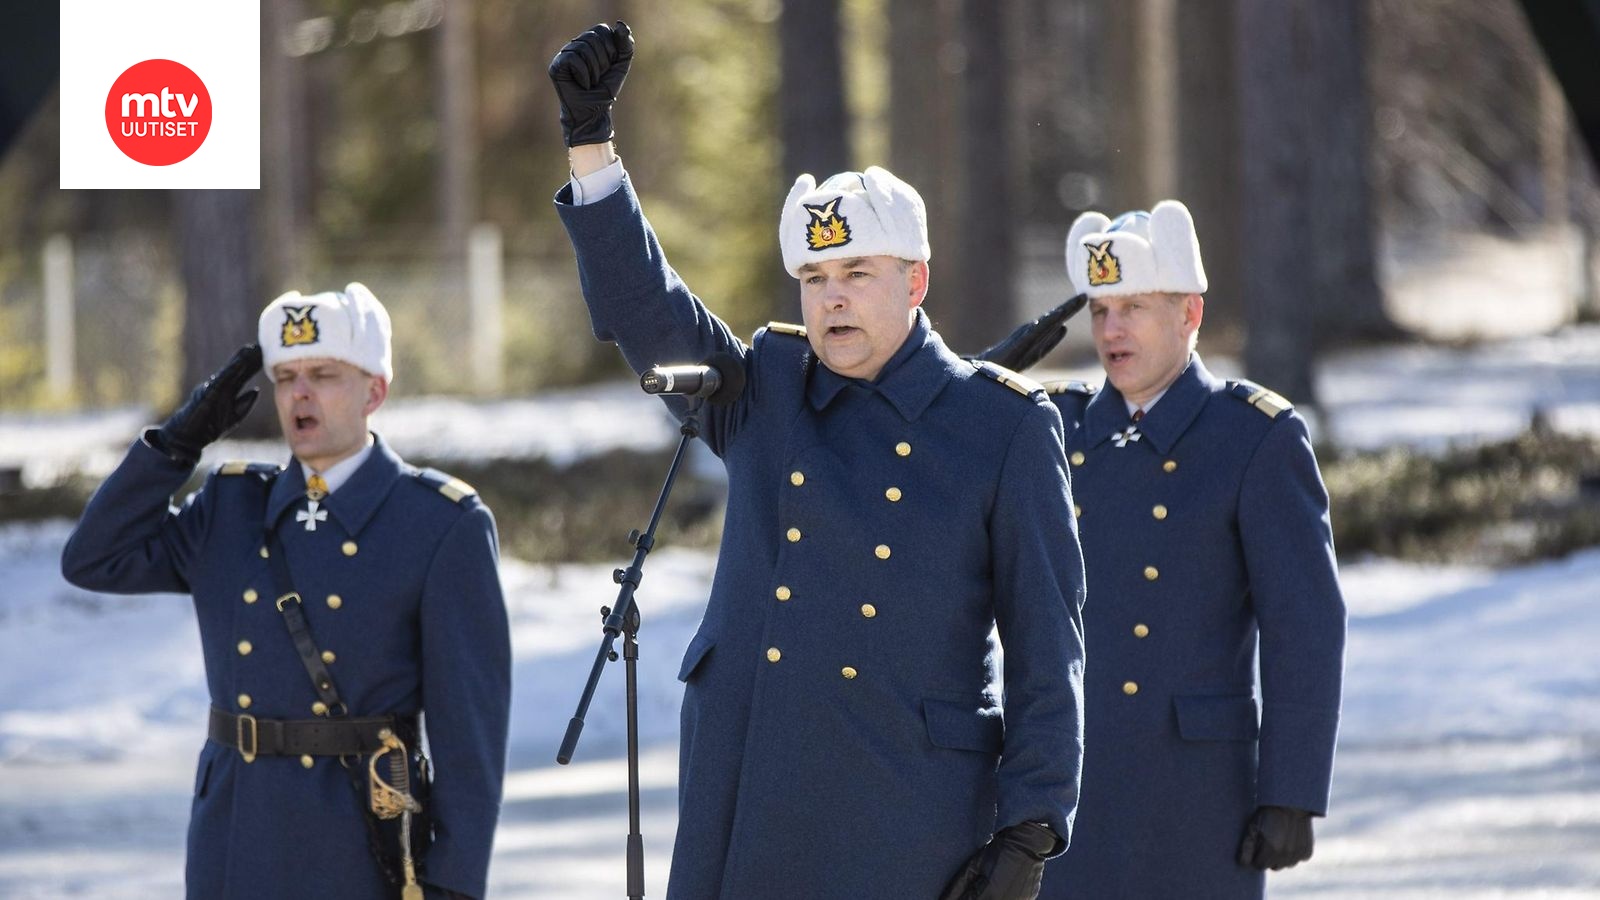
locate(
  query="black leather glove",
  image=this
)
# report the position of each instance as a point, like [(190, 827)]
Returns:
[(211, 411), (588, 74), (1032, 340), (1009, 867), (1276, 838)]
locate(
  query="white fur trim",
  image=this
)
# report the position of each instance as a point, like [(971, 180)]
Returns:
[(852, 214), (1140, 253), (348, 325)]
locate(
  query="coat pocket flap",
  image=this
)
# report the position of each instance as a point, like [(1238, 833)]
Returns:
[(1208, 718), (698, 648), (959, 726)]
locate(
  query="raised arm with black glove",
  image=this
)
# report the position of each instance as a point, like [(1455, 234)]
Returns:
[(214, 407), (1009, 867), (588, 74), (1277, 837), (1032, 340)]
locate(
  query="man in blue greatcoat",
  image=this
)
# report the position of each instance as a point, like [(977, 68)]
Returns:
[(888, 504), (338, 598), (1205, 533)]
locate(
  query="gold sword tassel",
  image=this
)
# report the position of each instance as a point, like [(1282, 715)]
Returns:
[(390, 801)]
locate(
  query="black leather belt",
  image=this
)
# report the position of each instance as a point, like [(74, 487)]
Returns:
[(254, 737)]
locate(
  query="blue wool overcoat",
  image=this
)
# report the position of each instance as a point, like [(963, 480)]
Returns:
[(837, 739), (400, 585), (1207, 533)]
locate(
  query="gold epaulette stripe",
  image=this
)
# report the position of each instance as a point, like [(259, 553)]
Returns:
[(1018, 382), (234, 467), (1269, 402), (457, 490), (787, 328)]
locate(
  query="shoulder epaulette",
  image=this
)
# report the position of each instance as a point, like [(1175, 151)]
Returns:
[(1270, 403), (246, 467), (1018, 382), (1071, 387), (798, 331), (447, 484)]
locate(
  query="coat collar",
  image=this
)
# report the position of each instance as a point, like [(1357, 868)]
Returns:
[(1165, 422), (912, 377), (354, 502)]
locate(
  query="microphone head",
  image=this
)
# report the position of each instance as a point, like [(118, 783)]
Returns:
[(732, 372), (653, 381)]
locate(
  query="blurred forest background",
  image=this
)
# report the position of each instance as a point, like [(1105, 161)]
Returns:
[(413, 145), (1342, 160)]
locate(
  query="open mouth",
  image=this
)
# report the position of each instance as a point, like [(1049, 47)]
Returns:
[(842, 330), (304, 424), (1118, 357)]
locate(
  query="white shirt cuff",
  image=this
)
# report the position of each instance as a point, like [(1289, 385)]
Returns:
[(596, 186)]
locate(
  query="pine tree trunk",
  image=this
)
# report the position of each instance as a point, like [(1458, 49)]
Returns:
[(217, 246), (1278, 299)]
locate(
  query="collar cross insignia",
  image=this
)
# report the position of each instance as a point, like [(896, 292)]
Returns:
[(311, 515), (1131, 433)]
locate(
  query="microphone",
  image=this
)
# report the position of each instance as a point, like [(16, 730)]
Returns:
[(720, 379)]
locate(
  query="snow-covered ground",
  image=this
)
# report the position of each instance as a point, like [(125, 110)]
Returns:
[(1469, 761)]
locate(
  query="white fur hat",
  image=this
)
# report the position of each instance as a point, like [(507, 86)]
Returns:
[(348, 325), (1140, 253), (852, 214)]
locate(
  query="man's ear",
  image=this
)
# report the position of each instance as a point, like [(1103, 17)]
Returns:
[(1194, 311), (377, 392), (917, 278)]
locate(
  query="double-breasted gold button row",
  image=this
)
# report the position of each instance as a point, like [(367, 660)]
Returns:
[(774, 655), (784, 593)]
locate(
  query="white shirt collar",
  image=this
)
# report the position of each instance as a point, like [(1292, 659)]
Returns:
[(1132, 406), (340, 472)]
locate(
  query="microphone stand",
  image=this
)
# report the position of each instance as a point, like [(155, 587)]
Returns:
[(622, 619)]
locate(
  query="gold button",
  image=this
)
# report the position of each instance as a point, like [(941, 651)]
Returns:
[(1077, 511), (319, 708), (773, 654), (882, 551), (868, 610), (251, 596), (783, 592), (307, 761), (1141, 630), (848, 672), (1170, 465), (902, 448), (263, 552), (797, 478), (349, 548), (893, 494), (328, 657), (793, 535), (335, 601), (1130, 688), (245, 648), (244, 701), (1077, 457), (1150, 573), (1160, 512)]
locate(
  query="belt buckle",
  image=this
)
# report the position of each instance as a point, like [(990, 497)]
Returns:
[(238, 735), (292, 595)]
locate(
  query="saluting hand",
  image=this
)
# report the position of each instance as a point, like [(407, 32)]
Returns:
[(1032, 340), (588, 74), (214, 407)]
